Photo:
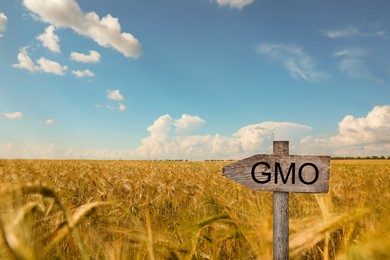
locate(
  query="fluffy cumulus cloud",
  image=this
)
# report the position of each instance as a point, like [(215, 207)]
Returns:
[(105, 31), (372, 129), (298, 63), (92, 57), (363, 136), (357, 136), (16, 115), (278, 131), (83, 73), (49, 39), (162, 126), (239, 4), (3, 23), (187, 123), (115, 95), (50, 66), (170, 138), (41, 65), (25, 62)]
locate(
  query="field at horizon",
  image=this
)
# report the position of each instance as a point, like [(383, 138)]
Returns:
[(184, 210)]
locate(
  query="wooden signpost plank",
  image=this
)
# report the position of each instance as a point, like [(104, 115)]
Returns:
[(275, 172), (281, 210), (281, 173)]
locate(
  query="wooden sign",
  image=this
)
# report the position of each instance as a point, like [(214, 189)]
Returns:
[(281, 173), (286, 173)]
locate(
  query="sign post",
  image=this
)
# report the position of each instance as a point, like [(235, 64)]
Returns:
[(281, 173), (281, 209)]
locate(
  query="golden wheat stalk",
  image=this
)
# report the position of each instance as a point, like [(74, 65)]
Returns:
[(306, 239), (19, 247), (324, 202), (72, 223), (149, 228), (17, 239)]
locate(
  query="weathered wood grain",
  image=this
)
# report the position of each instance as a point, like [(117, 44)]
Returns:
[(241, 172), (281, 211), (280, 225)]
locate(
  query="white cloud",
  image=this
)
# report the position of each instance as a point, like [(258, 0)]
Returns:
[(114, 95), (3, 23), (239, 4), (50, 66), (372, 30), (346, 32), (162, 126), (298, 63), (42, 64), (16, 115), (122, 107), (165, 141), (83, 73), (280, 130), (361, 136), (357, 136), (187, 123), (353, 63), (105, 31), (351, 52), (49, 39), (93, 57), (49, 122), (372, 129), (25, 62)]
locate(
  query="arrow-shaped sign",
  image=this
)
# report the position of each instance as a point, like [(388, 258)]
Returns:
[(287, 173)]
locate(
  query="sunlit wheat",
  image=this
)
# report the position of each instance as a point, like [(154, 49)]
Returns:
[(183, 210)]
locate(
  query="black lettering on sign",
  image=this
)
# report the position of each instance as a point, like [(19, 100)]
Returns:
[(279, 169), (316, 173), (268, 174), (284, 177)]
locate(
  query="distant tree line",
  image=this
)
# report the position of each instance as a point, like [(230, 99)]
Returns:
[(359, 158)]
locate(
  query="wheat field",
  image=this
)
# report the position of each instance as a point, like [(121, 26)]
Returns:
[(79, 209)]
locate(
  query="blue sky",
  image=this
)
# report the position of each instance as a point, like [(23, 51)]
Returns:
[(193, 79)]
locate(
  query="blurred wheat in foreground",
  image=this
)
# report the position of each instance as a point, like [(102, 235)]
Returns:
[(183, 210)]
